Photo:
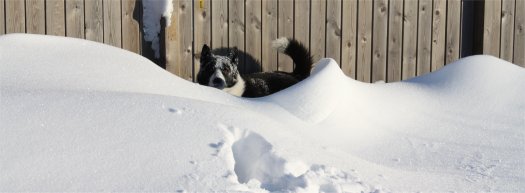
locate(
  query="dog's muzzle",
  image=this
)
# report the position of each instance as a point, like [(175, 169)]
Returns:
[(217, 80)]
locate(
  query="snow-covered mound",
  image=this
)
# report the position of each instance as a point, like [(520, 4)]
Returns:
[(82, 116)]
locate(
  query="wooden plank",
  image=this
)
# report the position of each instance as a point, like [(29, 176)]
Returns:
[(219, 22), (507, 30), (349, 33), (453, 38), (519, 34), (317, 33), (237, 28), (395, 40), (253, 33), (179, 59), (379, 40), (364, 40), (35, 17), (424, 38), (94, 20), (410, 28), (302, 22), (130, 26), (269, 33), (75, 18), (491, 27), (202, 26), (14, 16), (285, 29), (55, 18), (439, 24), (2, 17), (112, 23), (333, 30)]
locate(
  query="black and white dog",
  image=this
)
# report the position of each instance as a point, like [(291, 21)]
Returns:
[(221, 71)]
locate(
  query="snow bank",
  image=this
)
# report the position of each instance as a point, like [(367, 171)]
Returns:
[(153, 11), (82, 116)]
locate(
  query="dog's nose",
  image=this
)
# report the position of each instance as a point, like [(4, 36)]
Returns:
[(217, 81)]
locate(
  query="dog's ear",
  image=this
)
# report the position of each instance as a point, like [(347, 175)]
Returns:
[(234, 55), (205, 52)]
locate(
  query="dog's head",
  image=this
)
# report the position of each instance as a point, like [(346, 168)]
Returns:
[(218, 71)]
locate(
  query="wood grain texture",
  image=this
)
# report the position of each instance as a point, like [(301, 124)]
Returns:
[(379, 40), (439, 24), (453, 39), (349, 38), (94, 20), (112, 23), (424, 39), (491, 27), (269, 33), (179, 39), (364, 40), (35, 17), (507, 30), (219, 22), (410, 36), (395, 40), (2, 17), (55, 18), (318, 28), (302, 21), (75, 18), (237, 28), (202, 29), (254, 33), (14, 16), (131, 39), (333, 30), (519, 34), (285, 29)]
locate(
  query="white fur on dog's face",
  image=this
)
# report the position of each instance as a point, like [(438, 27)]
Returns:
[(220, 72)]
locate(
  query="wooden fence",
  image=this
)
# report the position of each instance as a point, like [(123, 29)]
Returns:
[(372, 40)]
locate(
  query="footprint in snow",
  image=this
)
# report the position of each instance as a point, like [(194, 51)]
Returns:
[(176, 111)]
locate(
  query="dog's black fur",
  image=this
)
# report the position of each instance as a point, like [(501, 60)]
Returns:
[(221, 71)]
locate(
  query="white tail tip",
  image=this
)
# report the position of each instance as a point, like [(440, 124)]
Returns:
[(281, 44)]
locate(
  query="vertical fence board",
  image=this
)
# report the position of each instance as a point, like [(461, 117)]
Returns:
[(15, 16), (75, 18), (424, 37), (219, 22), (269, 30), (35, 17), (179, 40), (519, 34), (364, 40), (349, 33), (507, 29), (302, 22), (285, 29), (410, 36), (130, 27), (317, 37), (202, 29), (253, 32), (439, 20), (237, 28), (379, 40), (2, 18), (55, 18), (453, 31), (94, 22), (395, 40), (112, 23), (491, 28), (333, 30)]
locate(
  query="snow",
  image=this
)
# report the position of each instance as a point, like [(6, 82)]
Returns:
[(77, 115), (153, 11)]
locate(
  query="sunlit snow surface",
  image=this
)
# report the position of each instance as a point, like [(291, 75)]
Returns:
[(82, 116)]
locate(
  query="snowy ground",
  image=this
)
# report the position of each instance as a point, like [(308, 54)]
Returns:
[(81, 116)]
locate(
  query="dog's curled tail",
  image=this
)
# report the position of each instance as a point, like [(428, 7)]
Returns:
[(299, 54)]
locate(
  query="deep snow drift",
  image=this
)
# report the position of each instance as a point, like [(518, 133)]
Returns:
[(82, 116)]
